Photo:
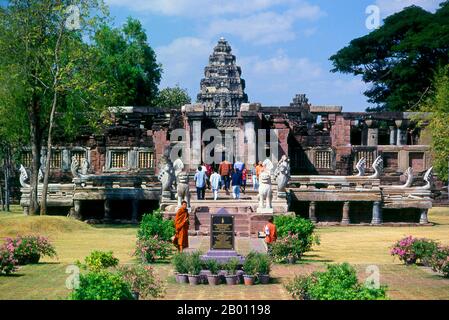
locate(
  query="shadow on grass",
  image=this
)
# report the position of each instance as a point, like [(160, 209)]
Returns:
[(115, 226), (12, 275)]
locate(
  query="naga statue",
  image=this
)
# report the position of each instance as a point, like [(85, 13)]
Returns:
[(428, 178), (182, 183), (85, 166), (361, 167), (282, 176), (378, 166), (79, 170), (23, 177), (166, 176), (265, 188), (74, 167)]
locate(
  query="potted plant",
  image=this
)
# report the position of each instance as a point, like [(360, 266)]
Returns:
[(194, 268), (250, 268), (213, 278), (231, 268), (263, 268), (180, 264)]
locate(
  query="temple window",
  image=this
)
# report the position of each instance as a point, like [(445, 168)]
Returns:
[(369, 155), (416, 161), (323, 160), (79, 155), (119, 159), (146, 160), (56, 160), (390, 160), (27, 159)]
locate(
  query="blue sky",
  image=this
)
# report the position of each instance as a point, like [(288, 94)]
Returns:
[(283, 46)]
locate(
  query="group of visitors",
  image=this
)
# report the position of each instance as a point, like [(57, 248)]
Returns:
[(226, 176)]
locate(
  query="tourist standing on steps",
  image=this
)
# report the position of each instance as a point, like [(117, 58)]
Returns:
[(270, 234), (254, 178), (181, 238), (225, 172), (200, 181), (209, 170), (236, 183), (244, 174), (215, 181)]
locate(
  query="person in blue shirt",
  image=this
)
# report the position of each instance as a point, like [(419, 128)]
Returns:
[(236, 183), (200, 182)]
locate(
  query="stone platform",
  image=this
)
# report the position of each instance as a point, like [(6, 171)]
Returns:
[(248, 222)]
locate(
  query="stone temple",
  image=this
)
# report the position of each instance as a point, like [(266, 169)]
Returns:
[(344, 167)]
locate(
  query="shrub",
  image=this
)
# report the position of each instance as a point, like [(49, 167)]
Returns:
[(290, 247), (232, 266), (153, 224), (143, 280), (440, 261), (153, 249), (194, 263), (7, 261), (99, 260), (180, 263), (212, 265), (338, 282), (29, 249), (411, 250), (101, 285)]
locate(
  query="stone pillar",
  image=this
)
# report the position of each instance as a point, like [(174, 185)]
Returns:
[(107, 210), (135, 210), (251, 143), (345, 220), (424, 217), (373, 133), (77, 209), (312, 215), (196, 143), (393, 138), (401, 137), (377, 213)]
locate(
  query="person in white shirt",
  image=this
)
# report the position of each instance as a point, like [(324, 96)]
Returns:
[(215, 180)]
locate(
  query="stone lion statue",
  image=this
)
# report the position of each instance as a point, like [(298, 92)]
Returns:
[(282, 175), (74, 167), (166, 174), (265, 188), (182, 183)]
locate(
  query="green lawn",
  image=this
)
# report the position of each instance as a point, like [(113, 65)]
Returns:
[(361, 246)]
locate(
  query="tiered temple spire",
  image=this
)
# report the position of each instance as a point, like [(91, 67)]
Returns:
[(222, 89)]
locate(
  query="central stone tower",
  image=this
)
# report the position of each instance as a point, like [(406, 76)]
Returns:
[(222, 89)]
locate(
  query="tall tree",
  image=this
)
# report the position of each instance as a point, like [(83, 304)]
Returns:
[(39, 56), (173, 98), (400, 58), (127, 65), (438, 119)]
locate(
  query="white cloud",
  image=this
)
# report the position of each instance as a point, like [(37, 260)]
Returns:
[(266, 27), (183, 62), (388, 7), (198, 8)]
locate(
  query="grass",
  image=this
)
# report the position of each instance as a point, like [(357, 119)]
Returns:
[(361, 246)]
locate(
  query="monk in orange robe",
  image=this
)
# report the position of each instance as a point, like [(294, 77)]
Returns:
[(182, 227)]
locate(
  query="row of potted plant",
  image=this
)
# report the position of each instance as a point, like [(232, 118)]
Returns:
[(190, 268)]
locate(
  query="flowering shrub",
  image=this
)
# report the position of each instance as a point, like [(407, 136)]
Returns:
[(440, 261), (153, 249), (410, 250), (142, 280), (7, 261), (29, 249), (338, 282), (290, 247)]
